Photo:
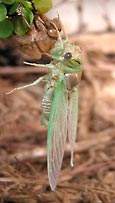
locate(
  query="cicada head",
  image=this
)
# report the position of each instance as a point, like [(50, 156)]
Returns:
[(68, 56), (71, 62)]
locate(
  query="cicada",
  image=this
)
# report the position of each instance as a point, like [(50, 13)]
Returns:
[(60, 103)]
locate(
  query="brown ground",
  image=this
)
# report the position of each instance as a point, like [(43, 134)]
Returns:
[(23, 173)]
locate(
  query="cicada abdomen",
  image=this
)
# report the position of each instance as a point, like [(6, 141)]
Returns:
[(47, 104)]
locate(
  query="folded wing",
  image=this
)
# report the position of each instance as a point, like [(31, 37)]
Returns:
[(57, 132), (72, 120)]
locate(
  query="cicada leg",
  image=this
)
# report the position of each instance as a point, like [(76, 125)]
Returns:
[(49, 66), (29, 85)]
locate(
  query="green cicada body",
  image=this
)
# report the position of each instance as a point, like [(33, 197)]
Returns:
[(63, 111), (60, 104)]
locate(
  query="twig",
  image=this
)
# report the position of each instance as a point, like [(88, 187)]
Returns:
[(22, 70), (92, 168)]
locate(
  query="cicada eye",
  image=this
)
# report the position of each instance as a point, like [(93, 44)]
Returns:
[(68, 55)]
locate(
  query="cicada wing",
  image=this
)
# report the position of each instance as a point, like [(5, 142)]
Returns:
[(57, 132), (72, 120)]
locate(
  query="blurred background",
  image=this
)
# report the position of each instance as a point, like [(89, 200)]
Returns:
[(85, 15), (23, 171)]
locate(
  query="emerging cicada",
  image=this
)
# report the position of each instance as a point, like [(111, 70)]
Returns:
[(60, 103)]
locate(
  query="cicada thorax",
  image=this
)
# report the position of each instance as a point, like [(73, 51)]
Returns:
[(72, 80), (40, 38)]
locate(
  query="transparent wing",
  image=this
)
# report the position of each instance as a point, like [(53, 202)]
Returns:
[(72, 120), (57, 132)]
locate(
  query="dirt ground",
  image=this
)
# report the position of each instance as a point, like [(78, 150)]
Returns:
[(23, 167)]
